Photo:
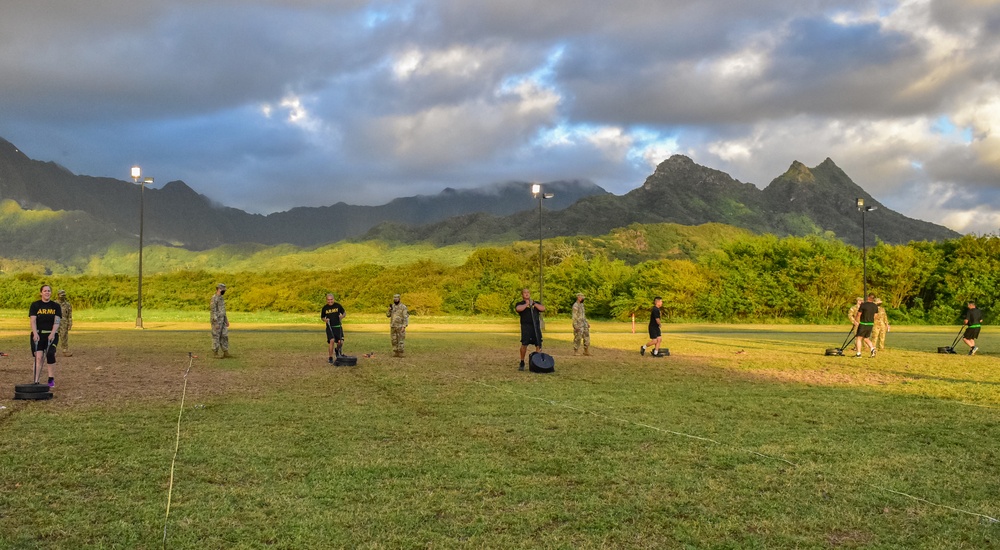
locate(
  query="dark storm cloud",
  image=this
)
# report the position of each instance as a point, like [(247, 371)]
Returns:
[(267, 105)]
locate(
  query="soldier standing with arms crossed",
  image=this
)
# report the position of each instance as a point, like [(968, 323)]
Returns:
[(399, 318), (65, 324), (581, 327), (220, 322), (881, 325)]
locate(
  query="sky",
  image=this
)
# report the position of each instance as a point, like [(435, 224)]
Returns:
[(265, 105)]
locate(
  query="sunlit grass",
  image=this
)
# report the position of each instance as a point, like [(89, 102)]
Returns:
[(744, 437)]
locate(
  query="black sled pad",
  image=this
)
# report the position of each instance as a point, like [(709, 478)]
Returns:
[(541, 363)]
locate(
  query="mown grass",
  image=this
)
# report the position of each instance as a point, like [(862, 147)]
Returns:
[(746, 437)]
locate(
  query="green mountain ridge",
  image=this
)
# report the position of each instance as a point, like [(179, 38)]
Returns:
[(176, 215), (53, 220), (802, 201)]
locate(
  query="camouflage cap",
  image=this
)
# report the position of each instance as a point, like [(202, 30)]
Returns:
[(578, 294), (221, 286), (61, 292), (395, 296)]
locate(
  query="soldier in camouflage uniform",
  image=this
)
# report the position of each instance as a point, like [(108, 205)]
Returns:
[(66, 323), (399, 318), (220, 323), (581, 327), (852, 313), (881, 325)]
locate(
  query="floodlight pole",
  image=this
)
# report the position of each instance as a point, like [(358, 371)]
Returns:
[(864, 245), (536, 190), (136, 174)]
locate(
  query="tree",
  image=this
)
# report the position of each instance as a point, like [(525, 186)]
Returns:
[(899, 272)]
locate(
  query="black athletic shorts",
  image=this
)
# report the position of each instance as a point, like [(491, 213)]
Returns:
[(971, 333), (529, 337), (654, 332), (334, 333), (864, 331), (43, 342)]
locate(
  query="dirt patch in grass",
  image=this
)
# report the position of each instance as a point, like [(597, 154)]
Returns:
[(826, 377), (104, 375)]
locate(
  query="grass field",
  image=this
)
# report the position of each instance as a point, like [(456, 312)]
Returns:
[(746, 437)]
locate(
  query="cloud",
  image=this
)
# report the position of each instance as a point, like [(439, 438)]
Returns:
[(267, 105)]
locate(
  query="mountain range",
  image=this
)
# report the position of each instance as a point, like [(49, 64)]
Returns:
[(801, 201), (177, 215), (79, 215)]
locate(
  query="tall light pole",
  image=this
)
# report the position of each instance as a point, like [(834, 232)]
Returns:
[(136, 175), (536, 191), (864, 245)]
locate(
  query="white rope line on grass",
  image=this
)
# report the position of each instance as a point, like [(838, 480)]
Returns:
[(924, 500), (177, 446)]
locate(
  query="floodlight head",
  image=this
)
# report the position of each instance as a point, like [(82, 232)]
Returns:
[(536, 188), (861, 203), (548, 195), (147, 181), (136, 173)]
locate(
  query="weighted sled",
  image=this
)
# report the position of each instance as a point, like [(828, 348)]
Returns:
[(31, 388), (541, 363), (346, 361), (36, 396)]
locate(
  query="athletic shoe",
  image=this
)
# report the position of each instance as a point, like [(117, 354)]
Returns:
[(873, 353), (52, 382), (858, 354), (973, 350), (642, 350), (521, 367), (330, 360)]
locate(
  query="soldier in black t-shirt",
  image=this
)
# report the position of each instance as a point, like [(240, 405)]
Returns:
[(45, 317), (655, 336), (866, 322), (331, 314), (973, 320), (531, 329)]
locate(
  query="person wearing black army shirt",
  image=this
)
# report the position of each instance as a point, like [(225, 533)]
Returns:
[(973, 320), (531, 329), (331, 314), (655, 336), (866, 322), (45, 316)]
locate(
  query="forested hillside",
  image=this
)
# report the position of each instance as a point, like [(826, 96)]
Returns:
[(707, 273)]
